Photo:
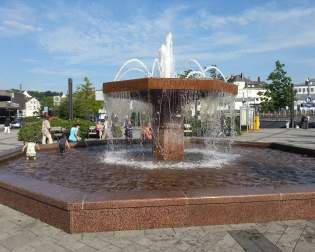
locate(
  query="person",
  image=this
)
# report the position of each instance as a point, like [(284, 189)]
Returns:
[(308, 121), (75, 133), (128, 131), (30, 148), (46, 131), (304, 122), (126, 120), (7, 125), (107, 129), (63, 143), (99, 129), (147, 132)]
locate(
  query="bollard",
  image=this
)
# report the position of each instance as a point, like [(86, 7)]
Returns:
[(257, 123)]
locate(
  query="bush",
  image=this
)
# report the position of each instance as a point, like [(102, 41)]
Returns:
[(34, 130), (31, 119), (31, 132)]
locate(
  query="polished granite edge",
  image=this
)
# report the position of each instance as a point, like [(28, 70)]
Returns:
[(70, 199)]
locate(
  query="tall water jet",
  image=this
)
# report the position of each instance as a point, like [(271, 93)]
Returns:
[(166, 58)]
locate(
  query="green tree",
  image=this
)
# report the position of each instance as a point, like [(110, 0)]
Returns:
[(84, 104), (185, 73), (214, 74), (278, 94)]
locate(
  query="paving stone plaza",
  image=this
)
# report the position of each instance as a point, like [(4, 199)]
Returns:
[(20, 232), (23, 233)]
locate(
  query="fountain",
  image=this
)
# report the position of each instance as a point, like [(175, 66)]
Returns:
[(167, 96), (176, 181)]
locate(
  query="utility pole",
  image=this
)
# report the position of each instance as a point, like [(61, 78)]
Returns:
[(292, 106), (70, 102)]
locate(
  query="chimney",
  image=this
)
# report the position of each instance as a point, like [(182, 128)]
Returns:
[(241, 75), (258, 79)]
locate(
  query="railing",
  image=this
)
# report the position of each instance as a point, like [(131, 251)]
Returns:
[(286, 115), (8, 104)]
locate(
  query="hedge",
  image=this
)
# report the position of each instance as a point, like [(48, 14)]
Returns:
[(32, 131)]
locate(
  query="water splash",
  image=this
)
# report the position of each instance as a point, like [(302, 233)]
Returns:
[(132, 61), (164, 65), (166, 58)]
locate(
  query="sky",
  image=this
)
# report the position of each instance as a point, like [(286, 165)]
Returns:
[(43, 43)]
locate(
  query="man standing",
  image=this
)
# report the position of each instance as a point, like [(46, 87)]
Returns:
[(46, 131), (7, 125)]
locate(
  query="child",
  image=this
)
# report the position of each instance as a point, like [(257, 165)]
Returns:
[(30, 148), (63, 143)]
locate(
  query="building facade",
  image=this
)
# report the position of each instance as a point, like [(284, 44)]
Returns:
[(248, 91), (15, 104), (305, 95)]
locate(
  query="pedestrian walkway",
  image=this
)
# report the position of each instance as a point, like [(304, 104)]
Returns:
[(20, 232), (9, 141), (294, 137)]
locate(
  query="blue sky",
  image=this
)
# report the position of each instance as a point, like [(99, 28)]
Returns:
[(42, 43)]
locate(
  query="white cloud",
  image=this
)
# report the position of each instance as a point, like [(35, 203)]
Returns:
[(12, 24), (17, 19), (266, 15)]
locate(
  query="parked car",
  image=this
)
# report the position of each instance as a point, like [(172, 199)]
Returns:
[(17, 123)]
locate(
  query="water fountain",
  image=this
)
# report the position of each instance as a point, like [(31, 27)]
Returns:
[(168, 96), (188, 181)]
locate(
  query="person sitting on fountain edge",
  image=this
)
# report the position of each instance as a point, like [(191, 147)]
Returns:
[(147, 133)]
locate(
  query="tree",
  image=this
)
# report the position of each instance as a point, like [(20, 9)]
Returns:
[(185, 74), (278, 94), (214, 74), (84, 104)]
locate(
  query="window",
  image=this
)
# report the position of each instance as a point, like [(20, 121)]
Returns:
[(299, 90), (303, 90), (312, 90)]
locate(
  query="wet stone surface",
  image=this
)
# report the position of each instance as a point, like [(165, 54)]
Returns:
[(131, 168)]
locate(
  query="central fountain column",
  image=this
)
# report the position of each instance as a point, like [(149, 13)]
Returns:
[(168, 126)]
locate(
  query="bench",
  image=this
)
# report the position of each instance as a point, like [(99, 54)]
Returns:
[(187, 129), (56, 132), (92, 131)]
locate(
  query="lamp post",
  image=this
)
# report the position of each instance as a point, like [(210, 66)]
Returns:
[(70, 102)]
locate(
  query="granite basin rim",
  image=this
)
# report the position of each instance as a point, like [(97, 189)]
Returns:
[(153, 83)]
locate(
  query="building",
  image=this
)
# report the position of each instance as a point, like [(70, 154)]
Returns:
[(8, 106), (17, 104), (32, 107), (248, 91), (305, 95), (99, 96)]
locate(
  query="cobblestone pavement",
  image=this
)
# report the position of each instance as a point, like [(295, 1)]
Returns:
[(20, 232), (296, 137)]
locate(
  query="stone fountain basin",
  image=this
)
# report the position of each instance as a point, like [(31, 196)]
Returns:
[(74, 211)]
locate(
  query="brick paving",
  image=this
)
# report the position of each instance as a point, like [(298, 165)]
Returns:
[(20, 232)]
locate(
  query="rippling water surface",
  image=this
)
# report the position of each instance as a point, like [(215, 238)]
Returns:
[(132, 169)]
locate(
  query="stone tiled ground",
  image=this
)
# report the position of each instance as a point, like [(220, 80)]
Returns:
[(295, 137), (23, 233), (8, 141)]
